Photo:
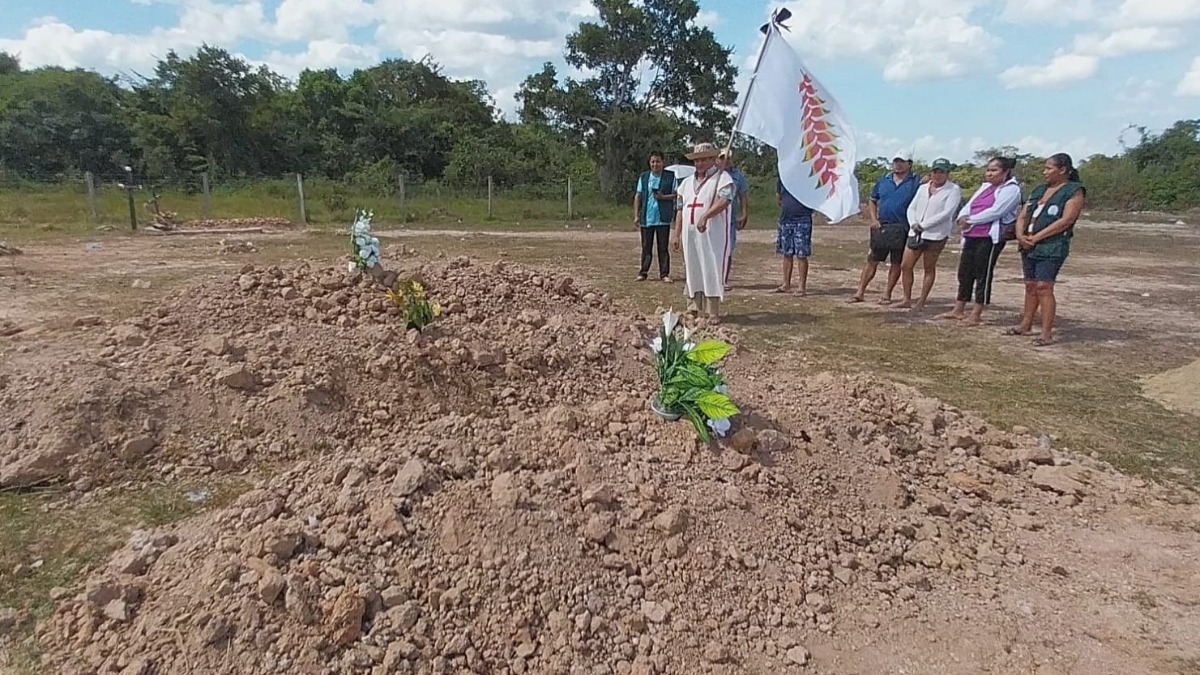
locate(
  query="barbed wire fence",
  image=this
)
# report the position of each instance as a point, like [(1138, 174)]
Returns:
[(134, 200)]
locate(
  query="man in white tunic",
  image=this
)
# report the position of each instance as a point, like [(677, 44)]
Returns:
[(701, 230)]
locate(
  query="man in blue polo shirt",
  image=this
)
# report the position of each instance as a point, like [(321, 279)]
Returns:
[(889, 224)]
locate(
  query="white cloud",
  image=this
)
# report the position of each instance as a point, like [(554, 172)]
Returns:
[(1048, 11), (1156, 12), (52, 42), (1128, 41), (963, 149), (321, 19), (1063, 68), (319, 55), (707, 19), (911, 40), (1190, 84)]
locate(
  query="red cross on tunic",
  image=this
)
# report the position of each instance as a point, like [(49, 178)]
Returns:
[(696, 204)]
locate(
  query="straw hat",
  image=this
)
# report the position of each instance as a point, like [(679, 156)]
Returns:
[(703, 151)]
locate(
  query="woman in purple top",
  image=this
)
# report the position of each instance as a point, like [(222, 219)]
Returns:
[(982, 220)]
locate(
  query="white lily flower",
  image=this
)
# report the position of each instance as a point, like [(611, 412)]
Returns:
[(689, 346), (657, 344), (670, 320), (720, 427)]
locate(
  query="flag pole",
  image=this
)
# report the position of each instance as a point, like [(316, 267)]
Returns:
[(771, 30)]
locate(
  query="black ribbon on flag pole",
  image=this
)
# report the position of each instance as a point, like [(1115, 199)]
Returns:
[(777, 18)]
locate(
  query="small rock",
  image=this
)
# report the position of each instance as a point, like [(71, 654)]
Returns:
[(117, 610), (141, 284), (247, 282), (924, 553), (345, 618), (672, 521), (217, 345), (744, 441), (271, 586), (599, 527), (734, 461), (85, 321), (505, 490), (1065, 480), (237, 377), (394, 596), (734, 497), (601, 493), (410, 478), (961, 440), (771, 441), (798, 655), (715, 652), (136, 448), (654, 612), (1036, 455)]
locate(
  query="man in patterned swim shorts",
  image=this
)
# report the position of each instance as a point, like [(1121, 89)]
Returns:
[(794, 239)]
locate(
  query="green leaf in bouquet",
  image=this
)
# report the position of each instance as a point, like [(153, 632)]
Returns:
[(698, 421), (709, 351), (716, 405)]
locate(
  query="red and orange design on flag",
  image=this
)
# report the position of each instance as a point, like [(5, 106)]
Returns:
[(819, 137)]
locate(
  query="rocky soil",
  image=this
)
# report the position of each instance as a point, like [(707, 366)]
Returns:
[(494, 496)]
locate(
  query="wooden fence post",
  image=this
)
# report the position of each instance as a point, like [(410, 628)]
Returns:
[(403, 202), (570, 200), (490, 197), (93, 207), (300, 189), (207, 195)]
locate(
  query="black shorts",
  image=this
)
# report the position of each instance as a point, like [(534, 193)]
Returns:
[(881, 254)]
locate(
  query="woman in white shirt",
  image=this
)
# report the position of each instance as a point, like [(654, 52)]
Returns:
[(931, 219), (982, 220)]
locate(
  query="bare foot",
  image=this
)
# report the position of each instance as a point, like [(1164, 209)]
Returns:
[(885, 301), (957, 316), (802, 292), (971, 321), (919, 307), (854, 299), (782, 289), (907, 304)]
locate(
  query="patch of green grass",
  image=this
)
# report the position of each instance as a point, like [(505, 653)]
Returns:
[(55, 543)]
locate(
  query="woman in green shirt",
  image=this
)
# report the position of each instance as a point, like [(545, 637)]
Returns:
[(1044, 230)]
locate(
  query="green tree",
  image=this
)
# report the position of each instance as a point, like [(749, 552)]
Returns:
[(54, 121), (1168, 164), (9, 64), (654, 78), (212, 112)]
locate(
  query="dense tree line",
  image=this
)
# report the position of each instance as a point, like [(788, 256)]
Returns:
[(655, 80)]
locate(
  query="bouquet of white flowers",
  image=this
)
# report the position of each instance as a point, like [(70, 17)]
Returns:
[(363, 246), (689, 383)]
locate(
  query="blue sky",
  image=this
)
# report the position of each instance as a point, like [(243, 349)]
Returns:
[(943, 77)]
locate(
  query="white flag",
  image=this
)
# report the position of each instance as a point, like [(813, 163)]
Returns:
[(788, 109)]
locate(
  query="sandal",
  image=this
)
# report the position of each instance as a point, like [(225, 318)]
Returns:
[(782, 289), (1015, 331), (854, 300), (1042, 342)]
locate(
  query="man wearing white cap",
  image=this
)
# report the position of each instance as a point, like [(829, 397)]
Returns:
[(703, 215), (890, 199)]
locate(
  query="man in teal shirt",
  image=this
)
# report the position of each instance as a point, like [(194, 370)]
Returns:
[(653, 212)]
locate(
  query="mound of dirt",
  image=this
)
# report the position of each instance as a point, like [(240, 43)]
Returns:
[(1177, 389), (5, 249), (495, 496)]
